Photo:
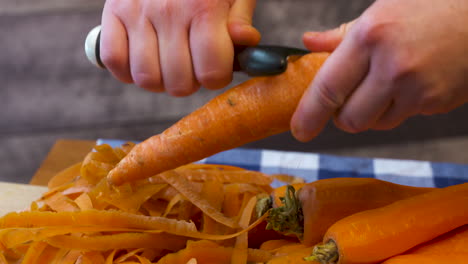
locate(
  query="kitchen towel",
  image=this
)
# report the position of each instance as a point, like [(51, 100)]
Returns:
[(314, 166)]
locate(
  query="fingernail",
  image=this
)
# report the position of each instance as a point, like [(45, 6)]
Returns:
[(311, 34)]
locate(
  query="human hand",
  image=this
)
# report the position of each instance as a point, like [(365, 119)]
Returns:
[(175, 45), (398, 59)]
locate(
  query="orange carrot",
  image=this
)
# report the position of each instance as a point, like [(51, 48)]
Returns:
[(428, 259), (455, 241), (310, 211), (375, 235), (253, 110)]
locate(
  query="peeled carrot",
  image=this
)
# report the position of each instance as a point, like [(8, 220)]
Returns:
[(428, 259), (310, 211), (374, 235), (253, 110), (455, 241)]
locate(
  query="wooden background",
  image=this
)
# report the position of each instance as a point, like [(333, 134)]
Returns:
[(50, 91)]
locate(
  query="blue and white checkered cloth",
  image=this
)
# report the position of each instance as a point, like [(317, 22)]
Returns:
[(314, 166)]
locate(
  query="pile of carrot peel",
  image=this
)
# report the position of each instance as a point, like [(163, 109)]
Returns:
[(201, 213), (194, 214)]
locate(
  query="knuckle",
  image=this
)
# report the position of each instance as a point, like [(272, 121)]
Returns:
[(205, 6), (122, 8), (182, 89), (371, 30), (349, 124), (147, 81), (404, 69), (214, 79), (113, 59), (436, 103), (164, 8), (328, 96)]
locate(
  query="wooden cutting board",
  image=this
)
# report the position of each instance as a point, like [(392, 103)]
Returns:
[(18, 197), (64, 153)]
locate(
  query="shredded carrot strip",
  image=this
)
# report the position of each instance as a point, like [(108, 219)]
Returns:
[(184, 187), (118, 241), (143, 260), (60, 203), (95, 218), (84, 202), (2, 258), (128, 255), (110, 258), (240, 250), (245, 176), (65, 176), (176, 199), (33, 253)]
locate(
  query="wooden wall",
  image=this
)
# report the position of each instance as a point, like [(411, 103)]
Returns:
[(50, 91)]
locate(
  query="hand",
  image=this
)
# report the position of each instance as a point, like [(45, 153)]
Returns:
[(398, 59), (175, 45)]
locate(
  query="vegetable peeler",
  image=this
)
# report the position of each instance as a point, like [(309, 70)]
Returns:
[(261, 60)]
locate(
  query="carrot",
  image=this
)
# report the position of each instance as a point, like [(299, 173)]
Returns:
[(375, 235), (428, 259), (310, 211), (294, 256), (455, 241), (253, 110)]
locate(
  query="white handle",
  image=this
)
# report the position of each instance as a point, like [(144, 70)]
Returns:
[(92, 46)]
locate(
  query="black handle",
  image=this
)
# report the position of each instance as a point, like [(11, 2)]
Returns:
[(264, 60)]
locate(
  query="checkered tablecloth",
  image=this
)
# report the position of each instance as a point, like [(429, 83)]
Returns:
[(314, 166)]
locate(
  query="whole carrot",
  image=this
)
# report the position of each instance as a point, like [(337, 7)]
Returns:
[(374, 235), (253, 110), (455, 241), (310, 211), (455, 258)]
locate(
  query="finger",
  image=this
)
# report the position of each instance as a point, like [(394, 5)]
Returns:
[(326, 41), (144, 57), (335, 81), (114, 47), (366, 104), (400, 110), (175, 60), (212, 49), (240, 23)]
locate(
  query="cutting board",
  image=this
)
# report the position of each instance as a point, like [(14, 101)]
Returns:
[(18, 197), (64, 153)]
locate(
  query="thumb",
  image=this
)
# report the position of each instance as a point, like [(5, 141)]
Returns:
[(328, 40), (240, 23)]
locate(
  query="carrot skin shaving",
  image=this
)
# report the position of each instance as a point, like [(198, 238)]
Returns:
[(65, 176), (375, 235), (240, 254), (34, 252), (118, 241), (253, 110), (184, 187)]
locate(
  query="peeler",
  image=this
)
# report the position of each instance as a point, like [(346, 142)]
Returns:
[(260, 60)]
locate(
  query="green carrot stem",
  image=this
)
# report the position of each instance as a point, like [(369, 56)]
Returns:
[(263, 205), (288, 218), (325, 253)]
